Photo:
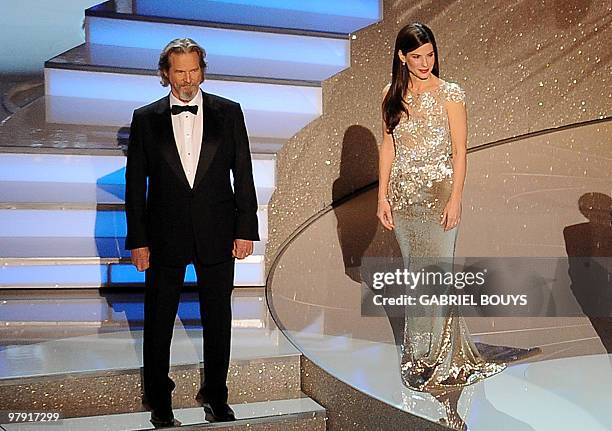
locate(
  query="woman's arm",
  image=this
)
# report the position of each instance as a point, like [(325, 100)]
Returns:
[(457, 120), (386, 154)]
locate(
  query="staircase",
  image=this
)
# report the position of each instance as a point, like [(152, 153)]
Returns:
[(82, 355), (62, 161)]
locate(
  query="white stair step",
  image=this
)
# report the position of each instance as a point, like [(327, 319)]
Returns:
[(37, 311), (338, 16), (64, 262), (270, 110), (245, 44), (58, 195), (38, 250), (275, 122), (143, 61), (253, 96), (27, 131), (103, 170), (254, 337), (79, 223), (22, 275), (57, 272), (247, 415)]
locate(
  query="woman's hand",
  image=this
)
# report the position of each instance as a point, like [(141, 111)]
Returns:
[(384, 214), (451, 216)]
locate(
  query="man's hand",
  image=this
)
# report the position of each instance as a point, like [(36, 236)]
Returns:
[(242, 248), (140, 258)]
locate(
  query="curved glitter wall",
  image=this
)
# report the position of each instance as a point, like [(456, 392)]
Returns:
[(526, 66)]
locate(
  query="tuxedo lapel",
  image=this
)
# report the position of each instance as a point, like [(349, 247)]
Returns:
[(167, 141), (211, 137)]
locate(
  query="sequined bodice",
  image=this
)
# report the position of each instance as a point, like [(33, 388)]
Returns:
[(423, 149)]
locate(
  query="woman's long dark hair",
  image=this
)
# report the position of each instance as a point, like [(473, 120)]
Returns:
[(408, 39)]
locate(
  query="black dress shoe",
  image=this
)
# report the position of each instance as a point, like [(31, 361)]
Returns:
[(163, 420), (220, 412), (201, 398)]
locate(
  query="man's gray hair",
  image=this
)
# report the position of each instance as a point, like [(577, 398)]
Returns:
[(178, 46)]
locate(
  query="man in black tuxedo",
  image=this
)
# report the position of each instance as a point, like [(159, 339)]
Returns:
[(181, 208)]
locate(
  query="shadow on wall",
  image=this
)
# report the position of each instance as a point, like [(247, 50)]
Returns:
[(360, 234), (589, 249), (355, 233)]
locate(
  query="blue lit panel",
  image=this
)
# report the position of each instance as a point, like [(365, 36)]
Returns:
[(124, 273), (132, 311), (229, 8), (122, 57), (189, 310), (318, 15), (190, 274), (51, 275), (62, 223), (241, 44), (248, 273)]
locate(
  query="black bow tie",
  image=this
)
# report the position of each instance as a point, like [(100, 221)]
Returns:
[(177, 109)]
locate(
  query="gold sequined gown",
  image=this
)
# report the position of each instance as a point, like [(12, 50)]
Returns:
[(438, 353)]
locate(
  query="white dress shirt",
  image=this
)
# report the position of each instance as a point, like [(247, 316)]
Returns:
[(188, 129)]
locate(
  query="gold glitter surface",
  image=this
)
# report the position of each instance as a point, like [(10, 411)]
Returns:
[(119, 392), (525, 66), (351, 410), (521, 196)]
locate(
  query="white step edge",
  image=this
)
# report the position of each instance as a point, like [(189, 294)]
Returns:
[(78, 223), (244, 43), (83, 273), (73, 111), (143, 89), (246, 413), (72, 168), (86, 196)]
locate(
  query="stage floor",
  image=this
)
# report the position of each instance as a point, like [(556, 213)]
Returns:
[(541, 394), (59, 332), (529, 198)]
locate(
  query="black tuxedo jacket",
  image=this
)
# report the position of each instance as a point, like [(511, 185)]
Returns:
[(163, 212)]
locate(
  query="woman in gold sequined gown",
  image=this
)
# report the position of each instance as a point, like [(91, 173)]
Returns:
[(421, 175)]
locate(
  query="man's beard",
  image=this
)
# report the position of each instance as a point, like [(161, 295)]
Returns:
[(186, 93)]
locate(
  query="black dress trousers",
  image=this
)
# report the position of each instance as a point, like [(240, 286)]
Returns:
[(163, 286)]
